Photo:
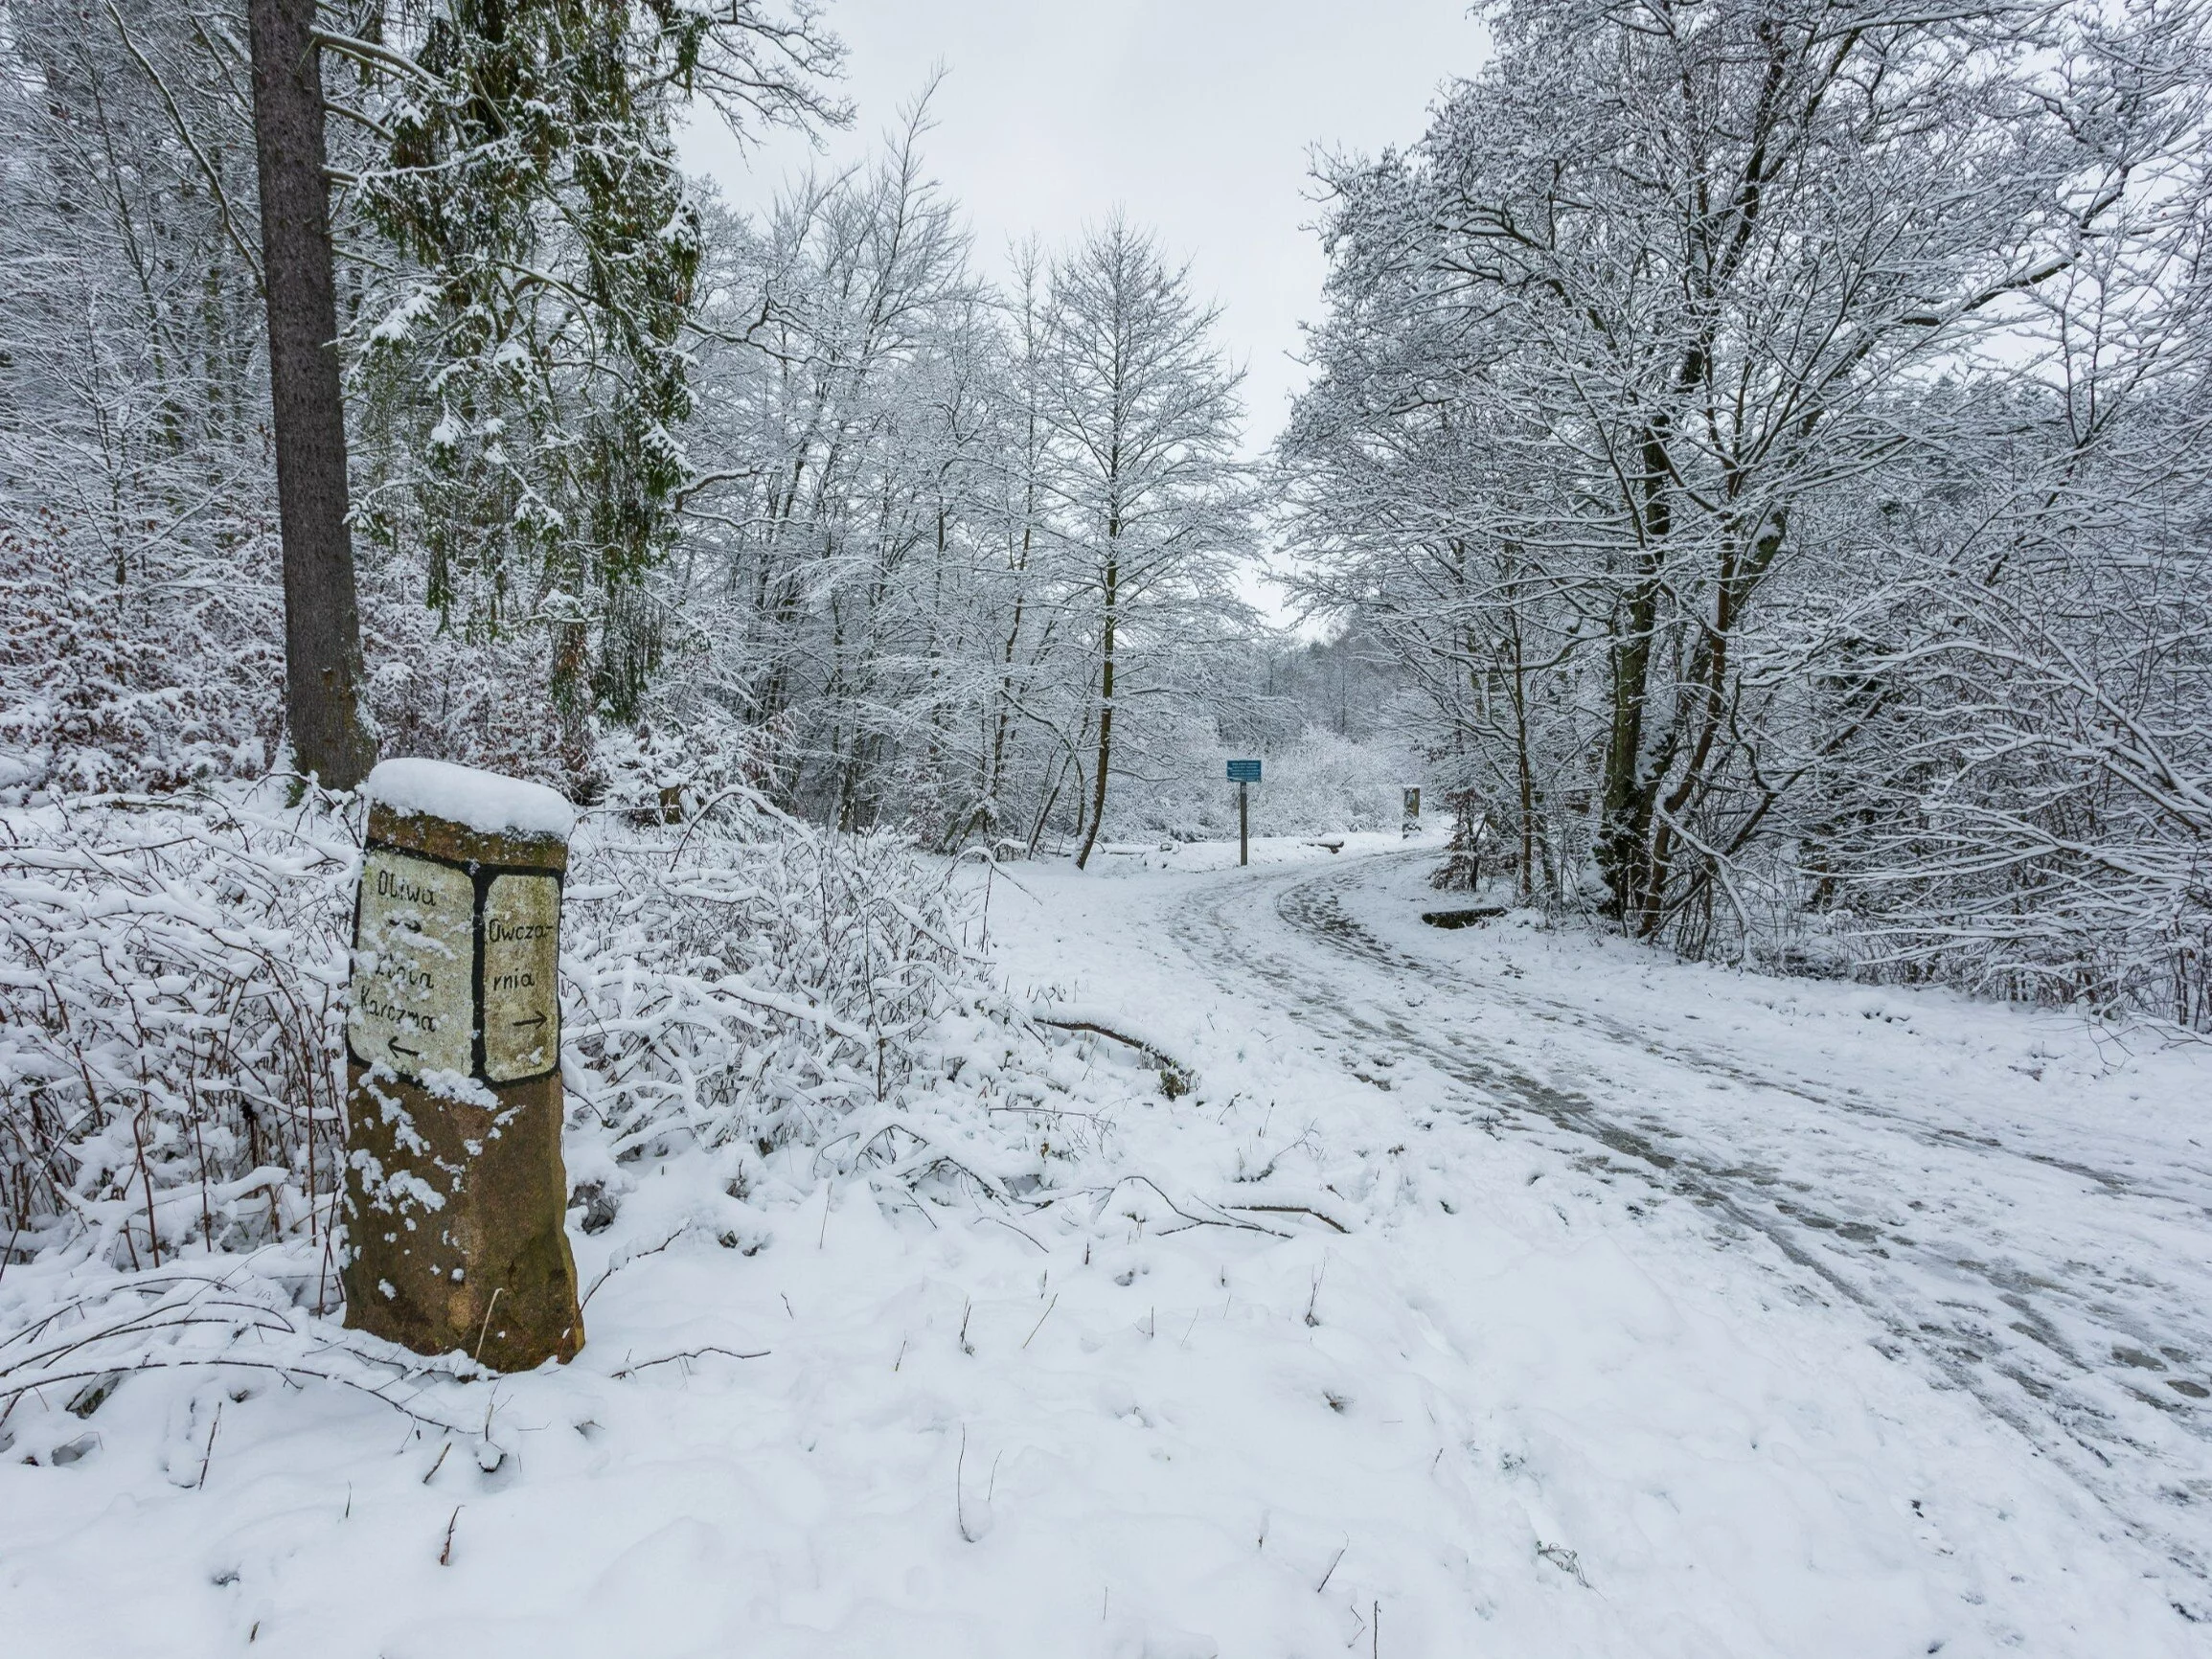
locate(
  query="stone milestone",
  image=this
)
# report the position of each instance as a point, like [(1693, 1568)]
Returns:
[(455, 1194)]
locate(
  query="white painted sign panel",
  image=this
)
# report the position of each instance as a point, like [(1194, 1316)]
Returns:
[(521, 977), (412, 998)]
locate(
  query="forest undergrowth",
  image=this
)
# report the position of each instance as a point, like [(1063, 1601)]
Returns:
[(765, 1005)]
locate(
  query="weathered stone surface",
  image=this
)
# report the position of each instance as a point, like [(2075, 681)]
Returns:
[(455, 1194)]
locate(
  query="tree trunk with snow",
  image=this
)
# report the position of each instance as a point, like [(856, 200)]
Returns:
[(322, 622), (1105, 713)]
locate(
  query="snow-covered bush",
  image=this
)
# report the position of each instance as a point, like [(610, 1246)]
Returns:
[(753, 988), (172, 986), (1327, 781), (169, 984), (126, 673), (476, 702)]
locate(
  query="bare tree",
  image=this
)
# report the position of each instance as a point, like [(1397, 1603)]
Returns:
[(1145, 415)]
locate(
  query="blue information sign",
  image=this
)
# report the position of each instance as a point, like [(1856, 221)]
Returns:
[(1243, 771)]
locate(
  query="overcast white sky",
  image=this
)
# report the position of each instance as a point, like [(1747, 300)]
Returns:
[(1196, 116)]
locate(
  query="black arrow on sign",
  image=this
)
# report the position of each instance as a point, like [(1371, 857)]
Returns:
[(399, 1048), (534, 1019)]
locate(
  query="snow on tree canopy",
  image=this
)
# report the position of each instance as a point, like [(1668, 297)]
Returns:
[(481, 801)]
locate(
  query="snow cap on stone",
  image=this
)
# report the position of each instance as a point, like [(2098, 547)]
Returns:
[(484, 802)]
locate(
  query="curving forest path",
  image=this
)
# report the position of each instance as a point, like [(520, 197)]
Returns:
[(1995, 1229)]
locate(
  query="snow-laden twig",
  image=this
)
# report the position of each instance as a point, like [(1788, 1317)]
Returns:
[(222, 1316)]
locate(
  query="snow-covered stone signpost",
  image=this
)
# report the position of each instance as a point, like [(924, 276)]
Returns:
[(455, 1196)]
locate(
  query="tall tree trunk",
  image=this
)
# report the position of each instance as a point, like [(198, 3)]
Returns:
[(322, 619), (1524, 771), (1106, 721), (987, 809), (1631, 778)]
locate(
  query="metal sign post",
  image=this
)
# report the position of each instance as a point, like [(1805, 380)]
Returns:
[(1242, 774)]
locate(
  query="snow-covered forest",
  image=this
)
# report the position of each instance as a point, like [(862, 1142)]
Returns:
[(647, 492), (1753, 470), (1762, 460), (1774, 439)]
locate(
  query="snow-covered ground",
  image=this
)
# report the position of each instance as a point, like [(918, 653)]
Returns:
[(1494, 1291)]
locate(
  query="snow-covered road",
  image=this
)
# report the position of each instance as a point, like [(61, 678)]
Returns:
[(2015, 1211), (2053, 1261)]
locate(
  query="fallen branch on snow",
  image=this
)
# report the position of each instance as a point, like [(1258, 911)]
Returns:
[(1175, 1077)]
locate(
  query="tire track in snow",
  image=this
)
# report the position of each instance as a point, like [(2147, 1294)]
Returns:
[(1320, 913), (2021, 1337)]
